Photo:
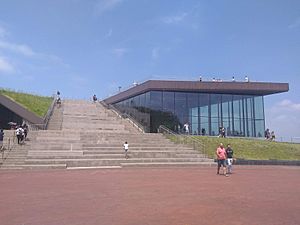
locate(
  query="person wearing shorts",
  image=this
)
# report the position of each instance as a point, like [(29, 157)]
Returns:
[(221, 159), (126, 149), (229, 160)]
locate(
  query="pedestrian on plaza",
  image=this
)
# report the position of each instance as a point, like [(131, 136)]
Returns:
[(229, 160), (126, 147), (221, 158)]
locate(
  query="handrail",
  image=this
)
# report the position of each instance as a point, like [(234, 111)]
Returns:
[(49, 113), (8, 145), (183, 139), (121, 115)]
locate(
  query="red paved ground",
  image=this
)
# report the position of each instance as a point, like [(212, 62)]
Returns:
[(135, 196)]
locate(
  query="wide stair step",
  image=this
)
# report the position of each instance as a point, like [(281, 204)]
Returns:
[(82, 134)]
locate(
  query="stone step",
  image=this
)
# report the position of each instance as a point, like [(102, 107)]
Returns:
[(170, 164), (112, 155), (44, 166), (107, 162), (86, 152)]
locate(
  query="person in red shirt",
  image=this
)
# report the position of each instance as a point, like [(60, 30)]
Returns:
[(221, 158)]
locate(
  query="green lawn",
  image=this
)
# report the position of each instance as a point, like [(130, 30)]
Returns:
[(254, 149), (251, 148), (34, 103)]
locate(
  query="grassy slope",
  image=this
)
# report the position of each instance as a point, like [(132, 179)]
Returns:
[(254, 149), (36, 104)]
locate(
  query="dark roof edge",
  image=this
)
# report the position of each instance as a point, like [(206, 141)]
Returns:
[(20, 110), (225, 87)]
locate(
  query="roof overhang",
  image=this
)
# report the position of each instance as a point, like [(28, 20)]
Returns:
[(236, 88)]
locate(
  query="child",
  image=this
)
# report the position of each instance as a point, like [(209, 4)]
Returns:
[(126, 149)]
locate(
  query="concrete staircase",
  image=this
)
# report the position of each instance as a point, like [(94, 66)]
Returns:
[(56, 118), (93, 137)]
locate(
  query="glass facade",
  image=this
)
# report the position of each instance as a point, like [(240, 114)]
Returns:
[(240, 115)]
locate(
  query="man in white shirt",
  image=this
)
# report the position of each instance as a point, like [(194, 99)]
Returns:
[(126, 149)]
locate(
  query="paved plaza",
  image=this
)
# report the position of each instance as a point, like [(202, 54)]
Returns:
[(253, 195)]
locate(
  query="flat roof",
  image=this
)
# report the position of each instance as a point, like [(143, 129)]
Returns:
[(218, 87)]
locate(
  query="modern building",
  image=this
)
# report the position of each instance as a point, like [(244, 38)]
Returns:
[(204, 106)]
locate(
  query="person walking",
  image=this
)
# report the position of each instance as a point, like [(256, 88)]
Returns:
[(221, 158), (20, 134), (186, 128), (229, 160), (126, 147)]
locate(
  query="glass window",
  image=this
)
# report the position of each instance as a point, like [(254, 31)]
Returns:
[(259, 128), (227, 113), (204, 114), (142, 100), (156, 100), (147, 99), (237, 115), (168, 102), (215, 113), (259, 107), (181, 110)]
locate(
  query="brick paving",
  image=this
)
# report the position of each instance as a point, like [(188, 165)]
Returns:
[(253, 195)]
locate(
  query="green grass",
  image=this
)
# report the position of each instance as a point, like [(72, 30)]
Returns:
[(252, 148), (39, 105)]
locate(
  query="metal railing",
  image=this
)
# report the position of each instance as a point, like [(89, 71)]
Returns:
[(189, 140), (49, 113), (8, 144), (125, 116)]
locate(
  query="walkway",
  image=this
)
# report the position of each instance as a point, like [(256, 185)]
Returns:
[(160, 196)]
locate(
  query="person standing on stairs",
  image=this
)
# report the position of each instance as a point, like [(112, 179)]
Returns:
[(20, 134), (95, 98), (126, 150)]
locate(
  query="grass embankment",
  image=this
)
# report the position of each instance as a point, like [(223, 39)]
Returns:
[(253, 149), (39, 105)]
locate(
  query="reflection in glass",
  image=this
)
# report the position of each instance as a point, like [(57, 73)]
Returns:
[(240, 115)]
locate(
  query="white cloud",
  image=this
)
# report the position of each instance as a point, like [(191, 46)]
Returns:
[(155, 52), (106, 5), (119, 52), (3, 32), (21, 49), (283, 118), (6, 66), (289, 105), (174, 19), (295, 24), (27, 51)]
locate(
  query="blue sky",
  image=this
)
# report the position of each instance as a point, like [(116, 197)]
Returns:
[(82, 47)]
